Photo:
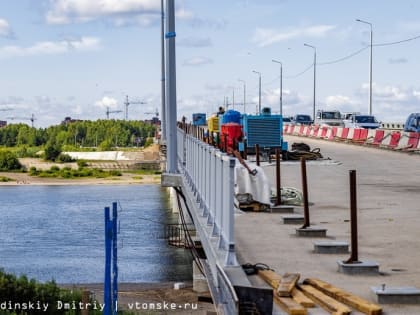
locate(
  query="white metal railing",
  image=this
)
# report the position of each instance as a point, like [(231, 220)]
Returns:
[(210, 175)]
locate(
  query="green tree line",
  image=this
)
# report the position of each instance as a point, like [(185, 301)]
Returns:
[(103, 134), (17, 292)]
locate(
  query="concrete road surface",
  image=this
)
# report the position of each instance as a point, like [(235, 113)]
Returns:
[(388, 187)]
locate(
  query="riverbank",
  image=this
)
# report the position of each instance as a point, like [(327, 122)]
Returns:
[(124, 179)]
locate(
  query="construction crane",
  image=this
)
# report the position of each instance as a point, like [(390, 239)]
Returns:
[(156, 113), (32, 119), (111, 112), (127, 103)]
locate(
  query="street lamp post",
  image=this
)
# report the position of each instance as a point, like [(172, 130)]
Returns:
[(314, 48), (370, 64), (259, 91), (281, 85), (244, 93)]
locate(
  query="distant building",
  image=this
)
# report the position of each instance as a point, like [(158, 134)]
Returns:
[(3, 123), (154, 121), (69, 120)]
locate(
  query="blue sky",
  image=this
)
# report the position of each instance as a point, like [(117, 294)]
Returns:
[(76, 57)]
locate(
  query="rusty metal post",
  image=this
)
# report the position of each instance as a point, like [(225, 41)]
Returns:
[(244, 153), (257, 154), (306, 222), (354, 255), (278, 178)]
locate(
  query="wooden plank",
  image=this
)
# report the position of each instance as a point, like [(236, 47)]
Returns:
[(301, 298), (287, 284), (269, 276), (290, 306), (325, 301), (350, 299)]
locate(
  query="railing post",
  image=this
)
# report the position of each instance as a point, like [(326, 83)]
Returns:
[(213, 187), (219, 194), (230, 219)]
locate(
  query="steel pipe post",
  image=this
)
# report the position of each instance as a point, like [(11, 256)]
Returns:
[(354, 255), (305, 193), (278, 179), (257, 154)]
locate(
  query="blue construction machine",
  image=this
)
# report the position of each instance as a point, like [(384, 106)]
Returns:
[(199, 119), (264, 129)]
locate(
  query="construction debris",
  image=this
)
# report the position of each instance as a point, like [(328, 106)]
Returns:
[(294, 298), (287, 284), (352, 300)]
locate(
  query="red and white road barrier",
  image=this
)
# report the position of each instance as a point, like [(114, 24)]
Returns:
[(386, 139)]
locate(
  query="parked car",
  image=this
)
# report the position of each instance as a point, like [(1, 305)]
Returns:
[(301, 119), (362, 121), (287, 119), (413, 123), (329, 118)]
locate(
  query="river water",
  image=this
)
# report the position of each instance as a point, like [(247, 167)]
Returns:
[(57, 232)]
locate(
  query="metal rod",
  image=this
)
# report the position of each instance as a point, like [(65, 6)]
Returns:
[(354, 255), (306, 222), (114, 258), (108, 253), (257, 154), (278, 179)]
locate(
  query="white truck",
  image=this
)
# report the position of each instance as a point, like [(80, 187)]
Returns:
[(329, 118)]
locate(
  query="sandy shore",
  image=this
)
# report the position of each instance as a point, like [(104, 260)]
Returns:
[(125, 179)]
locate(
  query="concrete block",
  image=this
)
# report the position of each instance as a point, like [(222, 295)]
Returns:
[(331, 247), (199, 281), (181, 285), (171, 180), (293, 219), (359, 268), (396, 295), (282, 209), (311, 231)]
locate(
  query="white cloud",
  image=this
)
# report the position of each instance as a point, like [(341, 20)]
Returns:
[(391, 93), (5, 30), (68, 11), (107, 102), (197, 61), (265, 36), (337, 101), (51, 48), (398, 60), (194, 42)]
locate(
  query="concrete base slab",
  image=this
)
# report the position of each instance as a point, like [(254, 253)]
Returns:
[(200, 284), (311, 231), (171, 180), (282, 209), (331, 247), (396, 295), (293, 219), (362, 267)]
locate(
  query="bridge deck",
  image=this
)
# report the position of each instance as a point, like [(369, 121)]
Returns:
[(389, 220)]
